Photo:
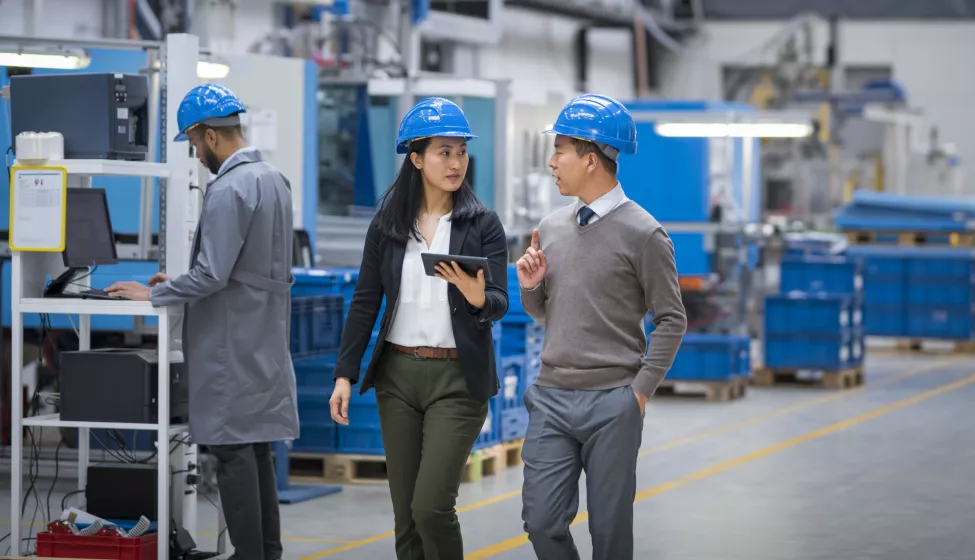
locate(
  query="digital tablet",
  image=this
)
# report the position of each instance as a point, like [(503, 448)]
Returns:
[(469, 265)]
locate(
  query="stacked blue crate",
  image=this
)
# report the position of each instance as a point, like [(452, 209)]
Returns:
[(316, 325), (939, 287), (918, 292), (813, 331), (709, 357), (491, 430), (521, 363)]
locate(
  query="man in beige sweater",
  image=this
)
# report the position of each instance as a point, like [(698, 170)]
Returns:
[(593, 271)]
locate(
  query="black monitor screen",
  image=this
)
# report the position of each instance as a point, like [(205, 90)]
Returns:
[(89, 240)]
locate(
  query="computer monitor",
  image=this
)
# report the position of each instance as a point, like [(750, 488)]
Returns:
[(89, 240)]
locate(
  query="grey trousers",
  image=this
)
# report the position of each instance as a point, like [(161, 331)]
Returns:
[(568, 431), (249, 497)]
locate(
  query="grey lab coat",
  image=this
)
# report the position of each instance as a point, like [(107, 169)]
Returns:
[(237, 296)]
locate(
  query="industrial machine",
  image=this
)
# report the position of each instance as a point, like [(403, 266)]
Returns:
[(100, 115)]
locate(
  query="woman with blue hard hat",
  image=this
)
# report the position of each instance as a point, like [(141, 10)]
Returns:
[(433, 367)]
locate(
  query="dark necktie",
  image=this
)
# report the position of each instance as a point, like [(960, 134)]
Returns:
[(585, 214)]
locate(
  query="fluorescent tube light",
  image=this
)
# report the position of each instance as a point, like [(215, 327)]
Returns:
[(733, 130), (63, 61), (207, 70)]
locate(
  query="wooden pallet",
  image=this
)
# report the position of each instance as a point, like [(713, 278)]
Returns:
[(715, 391), (371, 469), (338, 468), (912, 238), (933, 345), (484, 462), (512, 452), (841, 379)]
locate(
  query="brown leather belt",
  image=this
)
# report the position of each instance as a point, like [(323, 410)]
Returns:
[(427, 352)]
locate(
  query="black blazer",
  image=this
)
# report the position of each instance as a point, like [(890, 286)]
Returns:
[(380, 274)]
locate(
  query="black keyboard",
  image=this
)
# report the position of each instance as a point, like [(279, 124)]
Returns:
[(97, 294)]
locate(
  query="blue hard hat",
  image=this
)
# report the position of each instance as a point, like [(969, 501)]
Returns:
[(433, 116), (209, 102), (600, 119)]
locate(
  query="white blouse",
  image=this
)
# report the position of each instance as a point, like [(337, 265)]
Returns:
[(423, 313)]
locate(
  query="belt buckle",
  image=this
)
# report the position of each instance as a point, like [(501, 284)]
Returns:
[(415, 350)]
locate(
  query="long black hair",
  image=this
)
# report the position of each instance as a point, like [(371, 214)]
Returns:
[(400, 205)]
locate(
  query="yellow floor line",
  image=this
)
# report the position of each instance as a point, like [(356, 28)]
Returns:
[(291, 539), (648, 493), (679, 443)]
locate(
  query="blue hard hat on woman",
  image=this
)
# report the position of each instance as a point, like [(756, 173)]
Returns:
[(599, 119), (433, 116), (210, 104)]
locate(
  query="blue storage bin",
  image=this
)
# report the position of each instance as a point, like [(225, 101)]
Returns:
[(315, 372), (883, 290), (313, 406), (957, 267), (881, 264), (491, 431), (316, 324), (743, 352), (513, 382), (821, 274), (884, 320), (533, 367), (362, 440), (514, 424), (707, 357), (954, 323), (939, 293), (316, 437), (800, 351), (520, 338), (807, 314)]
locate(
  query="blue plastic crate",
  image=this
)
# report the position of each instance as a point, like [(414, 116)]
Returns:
[(513, 382), (315, 373), (801, 351), (821, 274), (533, 367), (317, 437), (327, 321), (707, 357), (953, 323), (514, 424), (884, 320), (521, 338), (491, 431), (885, 290), (363, 440), (810, 314), (943, 265), (743, 353), (932, 292), (313, 406), (316, 324)]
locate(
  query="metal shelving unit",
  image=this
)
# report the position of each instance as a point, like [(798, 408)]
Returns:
[(29, 274)]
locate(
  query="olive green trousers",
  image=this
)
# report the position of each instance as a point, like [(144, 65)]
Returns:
[(430, 424)]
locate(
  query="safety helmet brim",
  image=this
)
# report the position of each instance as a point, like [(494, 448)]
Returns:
[(404, 146)]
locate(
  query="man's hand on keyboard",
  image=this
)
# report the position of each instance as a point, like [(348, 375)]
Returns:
[(129, 290)]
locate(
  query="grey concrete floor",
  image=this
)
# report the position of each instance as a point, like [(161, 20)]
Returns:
[(785, 473)]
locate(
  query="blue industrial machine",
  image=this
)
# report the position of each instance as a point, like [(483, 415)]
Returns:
[(704, 191)]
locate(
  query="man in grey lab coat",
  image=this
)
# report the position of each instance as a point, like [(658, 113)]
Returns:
[(237, 316)]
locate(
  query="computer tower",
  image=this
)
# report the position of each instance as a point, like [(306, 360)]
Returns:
[(101, 116), (119, 385)]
